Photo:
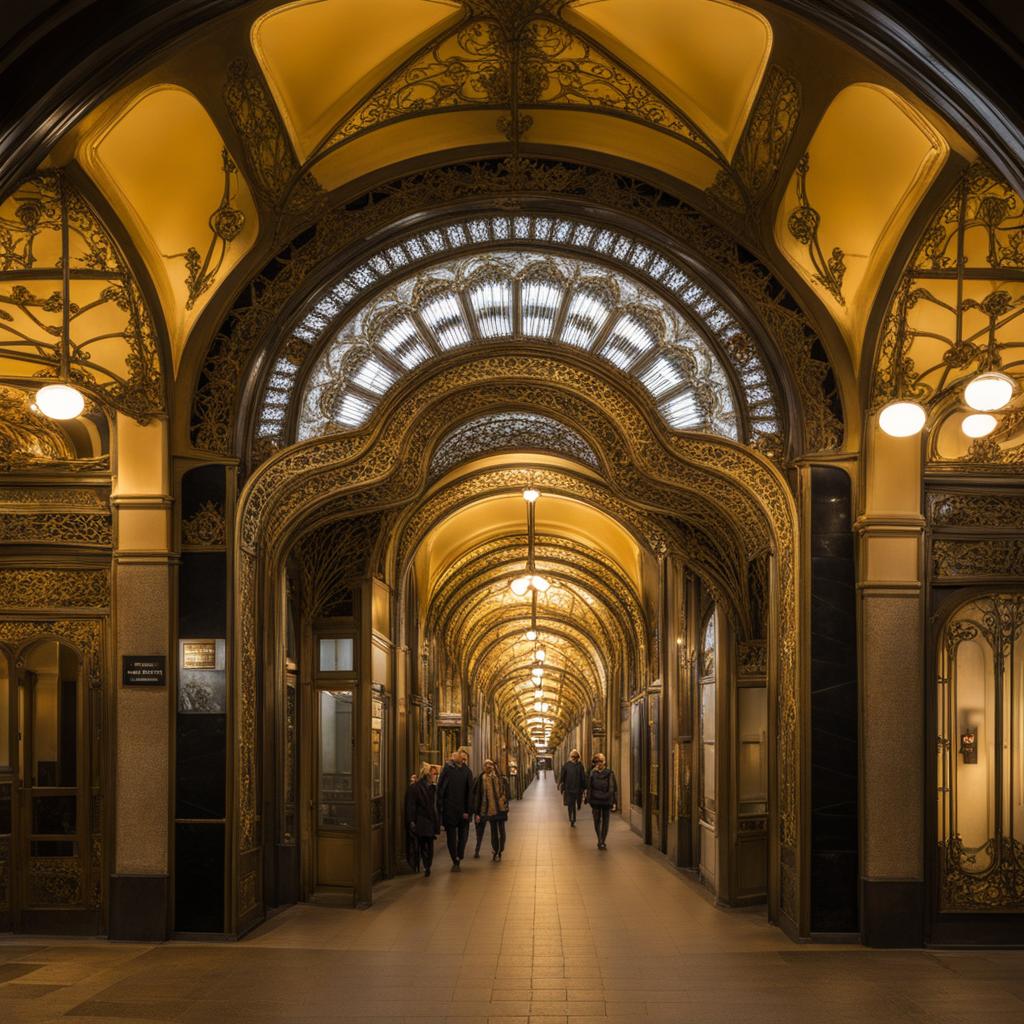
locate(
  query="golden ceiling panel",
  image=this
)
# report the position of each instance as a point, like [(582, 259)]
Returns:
[(708, 55), (870, 161), (47, 226), (165, 169), (320, 56)]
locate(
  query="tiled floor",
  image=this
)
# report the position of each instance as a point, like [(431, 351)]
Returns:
[(558, 933)]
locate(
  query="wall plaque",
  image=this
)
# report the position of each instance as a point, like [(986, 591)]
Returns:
[(143, 670), (199, 654)]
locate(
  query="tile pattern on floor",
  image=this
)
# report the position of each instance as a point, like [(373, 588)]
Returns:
[(557, 933)]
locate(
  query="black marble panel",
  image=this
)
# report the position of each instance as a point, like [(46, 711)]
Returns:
[(199, 877), (200, 759), (202, 594), (834, 707), (138, 908)]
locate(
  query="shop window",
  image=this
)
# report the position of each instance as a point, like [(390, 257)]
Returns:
[(336, 792)]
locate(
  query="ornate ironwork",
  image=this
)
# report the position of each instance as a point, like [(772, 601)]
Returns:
[(297, 268), (274, 169), (991, 511), (955, 311), (62, 275), (205, 528), (508, 431), (76, 528), (803, 224), (226, 223), (55, 882), (764, 141), (956, 559), (54, 588), (515, 56), (85, 634)]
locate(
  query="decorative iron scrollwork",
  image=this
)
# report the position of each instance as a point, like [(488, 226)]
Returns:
[(205, 528), (803, 224), (54, 588), (957, 559)]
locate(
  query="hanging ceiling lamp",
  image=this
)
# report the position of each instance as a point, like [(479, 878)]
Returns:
[(60, 401), (988, 392), (531, 581), (979, 424), (902, 418)]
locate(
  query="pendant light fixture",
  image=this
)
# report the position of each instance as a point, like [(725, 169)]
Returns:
[(60, 401), (531, 581), (988, 392)]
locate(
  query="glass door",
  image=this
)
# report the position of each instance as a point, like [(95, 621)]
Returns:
[(55, 848), (707, 710), (7, 784)]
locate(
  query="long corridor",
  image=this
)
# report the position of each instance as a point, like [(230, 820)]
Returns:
[(557, 933)]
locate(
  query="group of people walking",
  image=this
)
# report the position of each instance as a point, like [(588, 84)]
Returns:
[(598, 788), (453, 800)]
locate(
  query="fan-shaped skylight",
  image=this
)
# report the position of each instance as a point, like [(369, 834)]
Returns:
[(675, 350), (509, 295)]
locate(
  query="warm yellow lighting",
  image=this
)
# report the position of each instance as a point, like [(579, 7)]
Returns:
[(979, 424), (531, 634), (540, 654), (988, 392), (520, 585), (902, 418), (59, 402), (538, 693), (539, 583), (531, 494), (536, 672)]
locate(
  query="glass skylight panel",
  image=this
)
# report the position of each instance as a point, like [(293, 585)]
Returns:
[(397, 335), (501, 227), (305, 333), (621, 247), (374, 376), (584, 319), (492, 306), (398, 255), (563, 229), (582, 235), (541, 227), (326, 307), (381, 264), (539, 304), (629, 335), (604, 240), (352, 411), (640, 256), (682, 412), (413, 355), (415, 248), (274, 414), (693, 293), (521, 226), (660, 376), (456, 235), (443, 316), (621, 355), (266, 429), (706, 306), (478, 231), (434, 241)]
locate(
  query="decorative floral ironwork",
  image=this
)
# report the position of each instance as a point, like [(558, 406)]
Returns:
[(764, 141), (991, 511), (54, 588), (803, 224), (956, 559), (298, 266), (55, 882), (515, 56), (205, 527), (226, 223), (46, 226), (275, 171), (76, 528), (508, 431)]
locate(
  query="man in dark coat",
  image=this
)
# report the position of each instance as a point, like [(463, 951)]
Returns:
[(421, 817), (572, 781), (455, 801)]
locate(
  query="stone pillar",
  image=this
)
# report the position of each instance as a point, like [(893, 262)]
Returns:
[(892, 692), (142, 714)]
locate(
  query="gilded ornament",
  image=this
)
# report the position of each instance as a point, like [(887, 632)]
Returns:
[(54, 588), (803, 224), (205, 527), (957, 559)]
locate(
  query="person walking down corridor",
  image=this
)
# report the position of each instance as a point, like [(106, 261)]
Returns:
[(421, 817), (454, 801), (490, 805), (603, 797), (572, 781)]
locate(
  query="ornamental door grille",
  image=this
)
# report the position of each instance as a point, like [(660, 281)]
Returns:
[(981, 757)]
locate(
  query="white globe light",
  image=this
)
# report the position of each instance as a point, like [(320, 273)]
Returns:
[(520, 585), (531, 494), (539, 583), (902, 418), (531, 634), (979, 424), (59, 402), (537, 672), (540, 654), (988, 391)]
